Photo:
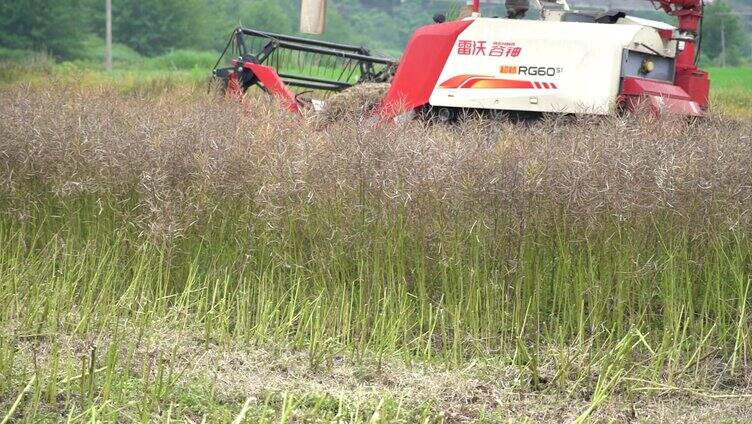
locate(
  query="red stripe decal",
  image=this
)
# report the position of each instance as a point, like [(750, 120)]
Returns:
[(457, 81), (545, 85), (554, 86), (496, 83), (484, 81)]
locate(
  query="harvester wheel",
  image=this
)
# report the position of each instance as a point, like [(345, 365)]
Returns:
[(441, 114), (446, 114)]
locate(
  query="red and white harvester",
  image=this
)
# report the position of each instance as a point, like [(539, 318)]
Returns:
[(568, 61)]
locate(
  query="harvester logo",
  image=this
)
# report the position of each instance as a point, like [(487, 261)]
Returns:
[(488, 48), (534, 71)]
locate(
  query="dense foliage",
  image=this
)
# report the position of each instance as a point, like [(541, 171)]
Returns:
[(66, 28), (53, 25), (723, 34)]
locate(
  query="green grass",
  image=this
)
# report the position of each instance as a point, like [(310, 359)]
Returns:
[(92, 52), (182, 60), (179, 69), (731, 90)]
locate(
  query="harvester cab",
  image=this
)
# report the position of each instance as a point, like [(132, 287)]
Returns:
[(567, 61)]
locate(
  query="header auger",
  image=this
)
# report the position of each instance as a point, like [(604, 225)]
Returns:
[(568, 61)]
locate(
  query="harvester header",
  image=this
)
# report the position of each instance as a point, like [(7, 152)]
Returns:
[(279, 63)]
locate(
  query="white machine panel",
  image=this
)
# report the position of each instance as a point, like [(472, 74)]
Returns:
[(535, 66)]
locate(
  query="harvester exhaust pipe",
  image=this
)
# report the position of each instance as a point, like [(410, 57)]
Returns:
[(312, 16)]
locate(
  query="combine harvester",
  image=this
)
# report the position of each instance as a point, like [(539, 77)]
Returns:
[(567, 62)]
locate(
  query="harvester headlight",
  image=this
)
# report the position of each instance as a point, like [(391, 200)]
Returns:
[(647, 66)]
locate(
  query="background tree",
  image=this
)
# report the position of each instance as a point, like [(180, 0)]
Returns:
[(722, 26), (55, 26), (265, 16), (155, 26), (74, 29)]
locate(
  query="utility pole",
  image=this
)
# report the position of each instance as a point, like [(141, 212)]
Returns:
[(723, 41), (744, 16), (312, 16), (108, 35)]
